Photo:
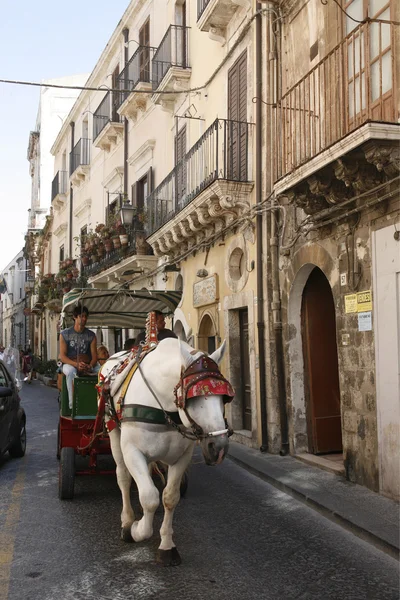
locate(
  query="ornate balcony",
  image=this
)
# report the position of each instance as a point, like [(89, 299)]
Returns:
[(338, 100), (215, 15), (107, 127), (79, 161), (170, 66), (59, 189), (133, 81), (206, 191), (131, 253)]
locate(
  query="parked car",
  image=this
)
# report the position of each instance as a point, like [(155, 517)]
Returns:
[(12, 416)]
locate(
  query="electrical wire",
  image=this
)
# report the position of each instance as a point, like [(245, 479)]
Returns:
[(366, 20)]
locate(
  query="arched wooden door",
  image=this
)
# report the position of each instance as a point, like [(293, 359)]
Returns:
[(321, 365), (207, 335)]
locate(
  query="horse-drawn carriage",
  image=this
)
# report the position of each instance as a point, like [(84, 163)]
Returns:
[(155, 404), (81, 430)]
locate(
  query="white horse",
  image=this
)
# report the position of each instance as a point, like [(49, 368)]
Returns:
[(141, 439)]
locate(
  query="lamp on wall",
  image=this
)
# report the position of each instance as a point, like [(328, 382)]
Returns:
[(127, 212)]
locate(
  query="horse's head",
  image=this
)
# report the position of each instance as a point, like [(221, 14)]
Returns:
[(201, 396)]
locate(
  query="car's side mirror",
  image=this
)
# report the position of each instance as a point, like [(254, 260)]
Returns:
[(5, 392)]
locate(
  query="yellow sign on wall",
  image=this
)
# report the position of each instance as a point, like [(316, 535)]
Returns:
[(357, 303), (350, 303), (364, 301)]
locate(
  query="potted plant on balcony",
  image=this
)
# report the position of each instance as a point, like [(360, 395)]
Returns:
[(85, 260)]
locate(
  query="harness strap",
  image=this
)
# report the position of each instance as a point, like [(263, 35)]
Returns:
[(148, 414)]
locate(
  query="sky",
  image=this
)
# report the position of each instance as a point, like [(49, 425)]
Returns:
[(39, 39)]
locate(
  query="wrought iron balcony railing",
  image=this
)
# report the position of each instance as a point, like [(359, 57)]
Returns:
[(352, 85), (135, 244), (106, 112), (172, 52), (80, 155), (59, 184), (222, 152), (201, 7), (137, 70)]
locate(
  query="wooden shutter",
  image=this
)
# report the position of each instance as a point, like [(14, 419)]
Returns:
[(180, 153), (144, 56), (115, 85), (236, 167)]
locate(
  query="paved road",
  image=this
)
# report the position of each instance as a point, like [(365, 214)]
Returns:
[(239, 538)]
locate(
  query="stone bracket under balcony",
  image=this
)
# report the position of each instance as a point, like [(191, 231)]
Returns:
[(217, 207), (136, 101), (217, 15), (349, 176), (59, 201), (120, 272), (79, 175), (177, 79), (109, 136)]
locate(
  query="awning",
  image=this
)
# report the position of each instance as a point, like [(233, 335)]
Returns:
[(118, 308)]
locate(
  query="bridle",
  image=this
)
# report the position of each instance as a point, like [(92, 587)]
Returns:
[(201, 378)]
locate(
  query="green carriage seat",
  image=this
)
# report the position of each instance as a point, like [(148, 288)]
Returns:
[(85, 398)]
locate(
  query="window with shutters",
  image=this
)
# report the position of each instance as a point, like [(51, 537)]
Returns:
[(115, 96), (180, 153), (236, 154), (140, 191), (144, 56)]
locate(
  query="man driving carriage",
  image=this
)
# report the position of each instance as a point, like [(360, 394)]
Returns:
[(162, 331), (78, 348)]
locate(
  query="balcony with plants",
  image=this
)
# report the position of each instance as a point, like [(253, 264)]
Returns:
[(170, 70), (214, 16), (107, 125), (205, 192), (134, 81), (79, 161), (50, 287), (112, 246)]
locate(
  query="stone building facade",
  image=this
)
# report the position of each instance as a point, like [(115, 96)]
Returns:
[(335, 179)]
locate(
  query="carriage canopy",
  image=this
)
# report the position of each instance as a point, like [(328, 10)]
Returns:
[(118, 308)]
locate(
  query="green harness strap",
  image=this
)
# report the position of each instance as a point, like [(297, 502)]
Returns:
[(148, 414)]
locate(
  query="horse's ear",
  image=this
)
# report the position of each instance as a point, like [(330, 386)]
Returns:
[(187, 357), (218, 355)]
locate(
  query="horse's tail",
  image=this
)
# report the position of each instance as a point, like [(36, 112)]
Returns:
[(157, 468)]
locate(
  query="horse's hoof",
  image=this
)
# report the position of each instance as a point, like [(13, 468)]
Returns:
[(126, 535), (169, 558)]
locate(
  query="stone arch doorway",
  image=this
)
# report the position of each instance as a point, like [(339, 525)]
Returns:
[(207, 335), (321, 370)]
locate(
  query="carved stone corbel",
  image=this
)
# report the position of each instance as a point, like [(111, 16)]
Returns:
[(385, 157), (194, 222), (203, 216)]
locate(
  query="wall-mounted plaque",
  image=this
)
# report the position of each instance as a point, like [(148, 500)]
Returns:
[(205, 291)]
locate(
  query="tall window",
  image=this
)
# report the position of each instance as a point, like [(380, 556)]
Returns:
[(144, 57), (61, 253), (369, 59)]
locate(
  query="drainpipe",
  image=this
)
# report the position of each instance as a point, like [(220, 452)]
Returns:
[(259, 232), (276, 294), (71, 193), (126, 122)]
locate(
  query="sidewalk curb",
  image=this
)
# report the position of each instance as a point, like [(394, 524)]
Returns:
[(332, 515)]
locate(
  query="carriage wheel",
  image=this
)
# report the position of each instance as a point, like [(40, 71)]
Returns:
[(66, 474)]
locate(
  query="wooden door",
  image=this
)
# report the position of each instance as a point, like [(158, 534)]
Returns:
[(236, 168), (245, 368), (321, 365)]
